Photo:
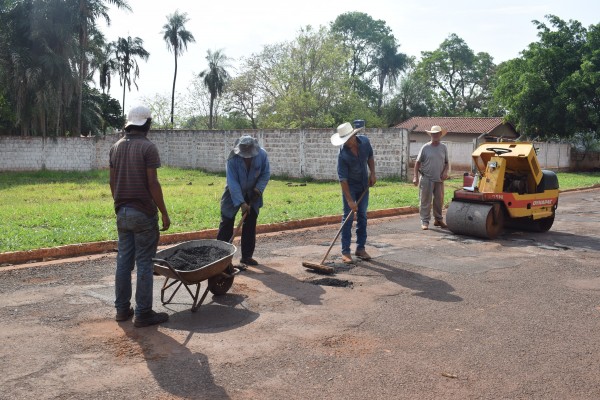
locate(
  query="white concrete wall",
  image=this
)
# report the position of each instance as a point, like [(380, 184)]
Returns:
[(293, 153)]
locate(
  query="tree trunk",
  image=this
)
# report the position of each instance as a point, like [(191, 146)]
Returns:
[(210, 117), (173, 91), (380, 100), (124, 86)]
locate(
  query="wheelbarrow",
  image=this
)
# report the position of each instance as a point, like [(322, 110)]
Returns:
[(219, 273)]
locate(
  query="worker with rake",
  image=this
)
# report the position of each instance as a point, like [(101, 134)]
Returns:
[(356, 172)]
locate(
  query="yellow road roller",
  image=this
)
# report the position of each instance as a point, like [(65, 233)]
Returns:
[(509, 189)]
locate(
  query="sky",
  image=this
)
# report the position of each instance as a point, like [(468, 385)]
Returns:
[(242, 28)]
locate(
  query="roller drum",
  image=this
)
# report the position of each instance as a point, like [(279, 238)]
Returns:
[(475, 219)]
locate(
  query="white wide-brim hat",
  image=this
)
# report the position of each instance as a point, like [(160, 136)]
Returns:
[(343, 133), (138, 116), (437, 129)]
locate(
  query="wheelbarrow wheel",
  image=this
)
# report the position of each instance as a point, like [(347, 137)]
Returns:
[(219, 285)]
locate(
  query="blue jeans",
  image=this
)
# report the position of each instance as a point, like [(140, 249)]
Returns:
[(138, 240), (361, 222)]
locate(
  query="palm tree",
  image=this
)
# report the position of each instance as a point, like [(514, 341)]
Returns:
[(106, 65), (215, 78), (177, 39), (126, 50), (389, 65), (87, 12)]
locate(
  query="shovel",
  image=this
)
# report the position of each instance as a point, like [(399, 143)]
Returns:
[(324, 268)]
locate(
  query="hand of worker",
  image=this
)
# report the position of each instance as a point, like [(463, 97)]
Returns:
[(353, 206), (166, 222), (444, 176), (372, 180), (256, 194), (415, 181), (245, 208)]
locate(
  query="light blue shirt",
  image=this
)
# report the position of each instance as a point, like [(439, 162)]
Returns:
[(242, 181)]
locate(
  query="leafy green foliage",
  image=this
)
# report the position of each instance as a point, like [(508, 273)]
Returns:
[(460, 79), (552, 89)]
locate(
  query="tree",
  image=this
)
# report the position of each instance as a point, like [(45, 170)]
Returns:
[(413, 98), (243, 96), (87, 12), (460, 78), (390, 64), (126, 51), (36, 57), (542, 90), (107, 66), (215, 78), (160, 108), (177, 39), (363, 37)]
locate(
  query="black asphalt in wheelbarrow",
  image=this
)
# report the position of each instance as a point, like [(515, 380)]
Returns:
[(219, 273)]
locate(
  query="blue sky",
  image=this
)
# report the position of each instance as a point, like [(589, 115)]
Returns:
[(241, 27)]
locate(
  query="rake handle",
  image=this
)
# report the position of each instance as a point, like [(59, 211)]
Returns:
[(342, 227)]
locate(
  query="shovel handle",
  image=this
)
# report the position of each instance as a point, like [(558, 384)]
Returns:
[(237, 229), (342, 227)]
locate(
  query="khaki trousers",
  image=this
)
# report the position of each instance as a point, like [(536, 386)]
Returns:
[(428, 191)]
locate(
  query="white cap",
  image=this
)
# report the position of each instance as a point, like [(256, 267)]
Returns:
[(138, 116)]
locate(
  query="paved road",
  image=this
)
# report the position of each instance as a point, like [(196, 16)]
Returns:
[(432, 316)]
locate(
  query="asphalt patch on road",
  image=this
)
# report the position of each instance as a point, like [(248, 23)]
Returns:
[(332, 282)]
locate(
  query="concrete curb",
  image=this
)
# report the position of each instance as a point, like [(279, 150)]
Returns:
[(82, 249)]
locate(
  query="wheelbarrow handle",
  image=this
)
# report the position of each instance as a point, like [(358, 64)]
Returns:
[(168, 265)]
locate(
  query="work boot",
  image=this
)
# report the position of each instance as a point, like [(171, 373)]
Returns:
[(249, 261), (347, 259), (150, 318), (362, 254), (424, 227), (440, 223), (124, 315)]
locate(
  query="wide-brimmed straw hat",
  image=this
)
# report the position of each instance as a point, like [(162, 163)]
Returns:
[(138, 116), (246, 147), (437, 129), (343, 133)]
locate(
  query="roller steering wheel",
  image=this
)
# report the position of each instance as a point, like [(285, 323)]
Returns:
[(499, 150)]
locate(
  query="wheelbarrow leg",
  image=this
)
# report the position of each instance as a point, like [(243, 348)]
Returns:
[(196, 306), (167, 286)]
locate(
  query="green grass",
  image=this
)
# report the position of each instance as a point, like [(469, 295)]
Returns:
[(47, 209)]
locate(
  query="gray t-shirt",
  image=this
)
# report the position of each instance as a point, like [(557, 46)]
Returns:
[(433, 159)]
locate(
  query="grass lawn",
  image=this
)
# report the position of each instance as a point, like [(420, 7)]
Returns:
[(47, 209)]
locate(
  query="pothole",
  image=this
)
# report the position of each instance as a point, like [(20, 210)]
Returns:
[(332, 282)]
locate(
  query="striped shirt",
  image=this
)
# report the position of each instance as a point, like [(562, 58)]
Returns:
[(130, 157)]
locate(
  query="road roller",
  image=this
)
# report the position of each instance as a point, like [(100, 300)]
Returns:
[(507, 190)]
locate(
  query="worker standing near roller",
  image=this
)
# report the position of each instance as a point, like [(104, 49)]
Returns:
[(431, 170), (248, 173), (355, 156)]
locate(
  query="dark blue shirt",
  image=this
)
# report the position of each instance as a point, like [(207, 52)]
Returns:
[(354, 169)]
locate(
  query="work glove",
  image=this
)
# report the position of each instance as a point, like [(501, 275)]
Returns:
[(245, 208), (256, 193)]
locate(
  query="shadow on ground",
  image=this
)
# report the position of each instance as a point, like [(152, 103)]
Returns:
[(175, 368), (426, 287)]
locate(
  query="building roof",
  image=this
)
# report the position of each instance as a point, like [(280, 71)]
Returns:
[(472, 125)]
